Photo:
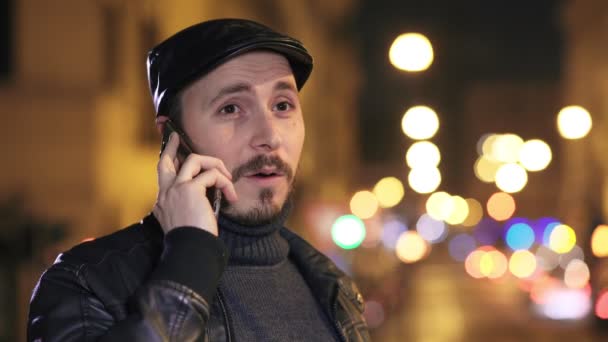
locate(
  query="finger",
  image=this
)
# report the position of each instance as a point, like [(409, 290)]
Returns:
[(196, 163), (167, 168), (214, 178)]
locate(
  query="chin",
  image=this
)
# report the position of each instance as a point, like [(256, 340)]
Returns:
[(262, 209)]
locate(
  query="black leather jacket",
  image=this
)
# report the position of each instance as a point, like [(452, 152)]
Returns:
[(124, 287)]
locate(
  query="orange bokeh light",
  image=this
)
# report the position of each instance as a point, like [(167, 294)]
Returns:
[(501, 206)]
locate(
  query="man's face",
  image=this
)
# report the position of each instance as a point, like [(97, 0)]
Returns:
[(247, 113)]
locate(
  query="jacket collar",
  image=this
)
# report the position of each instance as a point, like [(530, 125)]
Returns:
[(321, 274)]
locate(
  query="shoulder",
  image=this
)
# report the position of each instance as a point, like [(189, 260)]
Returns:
[(136, 238)]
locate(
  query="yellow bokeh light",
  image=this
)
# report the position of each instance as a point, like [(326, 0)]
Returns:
[(577, 274), (420, 123), (411, 247), (511, 177), (599, 241), (475, 213), (424, 180), (522, 264), (439, 205), (486, 143), (493, 264), (506, 147), (486, 168), (423, 154), (411, 52), (573, 122), (364, 204), (501, 206), (389, 192), (460, 212), (535, 155), (562, 239)]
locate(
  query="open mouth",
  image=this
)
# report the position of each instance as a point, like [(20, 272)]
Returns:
[(265, 175)]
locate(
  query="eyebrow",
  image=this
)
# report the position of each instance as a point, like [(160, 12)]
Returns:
[(231, 89), (244, 87)]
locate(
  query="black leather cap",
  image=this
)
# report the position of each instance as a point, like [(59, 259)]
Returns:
[(198, 49)]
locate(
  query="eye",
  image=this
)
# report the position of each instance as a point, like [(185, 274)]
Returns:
[(230, 109), (283, 106)]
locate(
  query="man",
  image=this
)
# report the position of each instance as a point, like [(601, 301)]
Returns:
[(180, 274)]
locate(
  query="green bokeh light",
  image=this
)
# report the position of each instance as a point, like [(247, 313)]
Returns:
[(348, 231)]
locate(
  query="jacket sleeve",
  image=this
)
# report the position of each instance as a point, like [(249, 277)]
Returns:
[(171, 305)]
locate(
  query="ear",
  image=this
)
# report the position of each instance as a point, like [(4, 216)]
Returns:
[(160, 123)]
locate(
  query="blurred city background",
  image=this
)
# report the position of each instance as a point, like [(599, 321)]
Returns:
[(455, 162)]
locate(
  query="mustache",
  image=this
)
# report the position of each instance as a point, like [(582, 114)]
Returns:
[(258, 162)]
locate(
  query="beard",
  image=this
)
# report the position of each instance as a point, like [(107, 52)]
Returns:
[(266, 208)]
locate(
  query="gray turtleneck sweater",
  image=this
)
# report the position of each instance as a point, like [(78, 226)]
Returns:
[(266, 297)]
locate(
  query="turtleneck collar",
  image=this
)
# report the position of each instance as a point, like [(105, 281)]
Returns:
[(260, 245)]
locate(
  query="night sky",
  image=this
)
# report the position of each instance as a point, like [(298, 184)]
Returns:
[(474, 41)]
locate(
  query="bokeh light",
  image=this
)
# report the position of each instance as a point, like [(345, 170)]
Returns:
[(487, 231), (431, 230), (547, 232), (420, 123), (392, 229), (501, 206), (411, 247), (565, 304), (575, 253), (411, 52), (546, 258), (562, 239), (364, 204), (423, 154), (519, 236), (574, 122), (511, 178), (472, 264), (475, 213), (460, 211), (599, 241), (535, 155), (493, 264), (485, 144), (389, 192), (522, 264), (486, 168), (540, 226), (440, 205), (348, 231), (461, 245), (577, 274), (506, 147), (601, 305), (424, 180)]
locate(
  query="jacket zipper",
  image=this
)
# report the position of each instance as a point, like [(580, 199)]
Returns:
[(225, 312)]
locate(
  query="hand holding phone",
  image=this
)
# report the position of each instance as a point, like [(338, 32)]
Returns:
[(181, 177), (183, 151)]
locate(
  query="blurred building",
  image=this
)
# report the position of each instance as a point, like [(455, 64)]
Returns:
[(584, 188), (80, 145)]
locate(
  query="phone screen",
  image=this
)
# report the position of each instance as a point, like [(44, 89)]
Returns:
[(183, 151)]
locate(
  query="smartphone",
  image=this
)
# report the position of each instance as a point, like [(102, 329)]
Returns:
[(183, 151)]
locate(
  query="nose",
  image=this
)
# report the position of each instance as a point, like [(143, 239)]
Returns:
[(266, 137)]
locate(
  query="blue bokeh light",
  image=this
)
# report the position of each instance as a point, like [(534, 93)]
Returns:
[(519, 236)]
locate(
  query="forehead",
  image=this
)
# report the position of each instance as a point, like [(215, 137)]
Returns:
[(253, 68)]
